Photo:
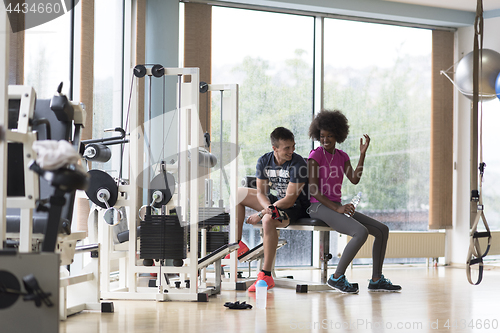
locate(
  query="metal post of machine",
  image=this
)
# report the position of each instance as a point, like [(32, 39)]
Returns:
[(4, 70)]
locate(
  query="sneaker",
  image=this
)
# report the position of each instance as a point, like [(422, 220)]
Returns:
[(343, 285), (262, 276), (383, 285), (241, 251)]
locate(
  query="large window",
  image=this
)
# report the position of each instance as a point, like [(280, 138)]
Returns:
[(379, 76), (270, 56), (491, 184), (108, 69)]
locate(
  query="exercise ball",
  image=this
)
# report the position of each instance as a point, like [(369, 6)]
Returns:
[(497, 86), (488, 75)]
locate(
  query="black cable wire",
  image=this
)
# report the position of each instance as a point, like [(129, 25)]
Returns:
[(169, 127), (126, 126)]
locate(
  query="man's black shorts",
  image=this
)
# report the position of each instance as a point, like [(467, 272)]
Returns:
[(294, 213)]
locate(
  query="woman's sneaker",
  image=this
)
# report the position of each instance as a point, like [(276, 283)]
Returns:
[(343, 285), (383, 285)]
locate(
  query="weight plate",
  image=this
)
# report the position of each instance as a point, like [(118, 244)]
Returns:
[(101, 180), (8, 282)]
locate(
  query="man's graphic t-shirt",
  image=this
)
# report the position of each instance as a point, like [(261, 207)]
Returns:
[(279, 176)]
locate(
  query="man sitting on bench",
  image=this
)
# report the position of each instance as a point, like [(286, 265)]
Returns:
[(280, 198)]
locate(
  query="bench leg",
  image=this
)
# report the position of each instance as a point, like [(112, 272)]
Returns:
[(324, 254)]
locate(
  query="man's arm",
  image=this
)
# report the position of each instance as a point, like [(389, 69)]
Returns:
[(262, 189)]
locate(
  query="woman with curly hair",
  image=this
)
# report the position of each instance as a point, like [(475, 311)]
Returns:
[(327, 166)]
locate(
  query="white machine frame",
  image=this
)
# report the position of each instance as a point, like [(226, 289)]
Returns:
[(72, 299), (230, 102), (4, 100), (24, 135)]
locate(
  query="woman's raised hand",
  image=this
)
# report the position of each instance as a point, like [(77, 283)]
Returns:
[(363, 147)]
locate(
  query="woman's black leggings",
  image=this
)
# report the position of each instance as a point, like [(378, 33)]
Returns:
[(358, 226)]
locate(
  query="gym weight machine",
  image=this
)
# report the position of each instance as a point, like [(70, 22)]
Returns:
[(48, 189), (174, 197)]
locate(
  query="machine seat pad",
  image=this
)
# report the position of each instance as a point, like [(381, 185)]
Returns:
[(305, 221), (39, 223)]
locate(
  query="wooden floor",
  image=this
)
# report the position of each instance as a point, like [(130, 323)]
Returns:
[(433, 300)]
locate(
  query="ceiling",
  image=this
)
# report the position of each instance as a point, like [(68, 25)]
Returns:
[(465, 5), (446, 14)]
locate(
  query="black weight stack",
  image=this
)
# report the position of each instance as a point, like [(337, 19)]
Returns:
[(162, 237)]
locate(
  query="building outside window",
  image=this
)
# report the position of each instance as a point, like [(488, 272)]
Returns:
[(108, 77), (381, 84), (47, 56), (383, 87), (491, 184)]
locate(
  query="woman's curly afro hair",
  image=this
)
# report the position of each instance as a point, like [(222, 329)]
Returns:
[(332, 121)]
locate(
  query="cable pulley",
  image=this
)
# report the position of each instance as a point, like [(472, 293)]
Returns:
[(158, 70), (140, 71), (161, 189), (203, 87)]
